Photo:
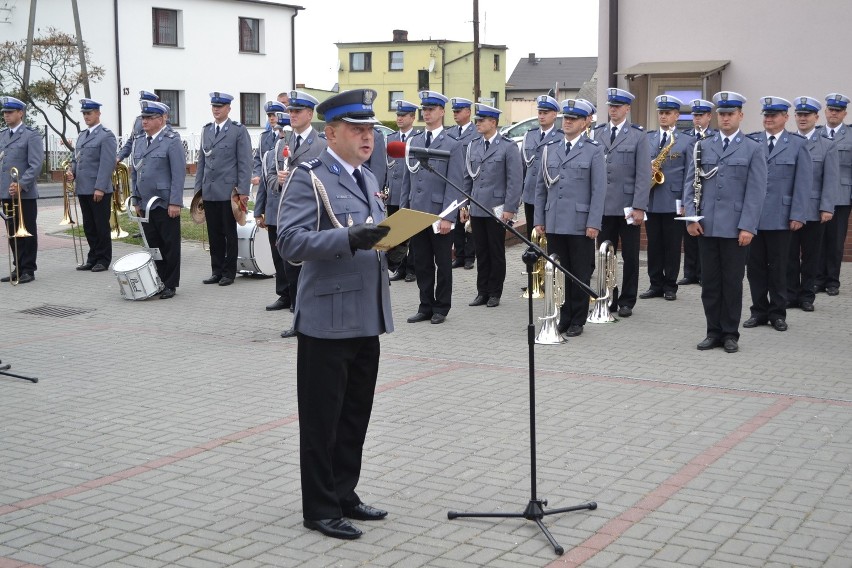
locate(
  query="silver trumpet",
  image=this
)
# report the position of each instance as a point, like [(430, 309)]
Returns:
[(554, 297), (606, 265)]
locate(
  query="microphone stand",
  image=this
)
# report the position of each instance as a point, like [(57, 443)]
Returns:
[(535, 509), (7, 366)]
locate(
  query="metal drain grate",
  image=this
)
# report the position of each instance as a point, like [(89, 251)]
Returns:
[(56, 311)]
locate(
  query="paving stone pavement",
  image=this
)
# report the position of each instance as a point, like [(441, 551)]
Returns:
[(165, 433)]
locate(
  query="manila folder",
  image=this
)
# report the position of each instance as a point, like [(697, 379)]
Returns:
[(404, 224)]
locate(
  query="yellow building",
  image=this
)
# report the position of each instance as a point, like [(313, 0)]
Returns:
[(399, 69)]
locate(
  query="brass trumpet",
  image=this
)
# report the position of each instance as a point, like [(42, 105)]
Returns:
[(13, 213), (120, 193), (69, 195)]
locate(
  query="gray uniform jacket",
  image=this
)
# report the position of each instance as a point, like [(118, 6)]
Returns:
[(265, 144), (128, 145), (494, 177), (341, 293), (790, 177), (628, 168), (531, 155), (707, 133), (826, 174), (575, 200), (469, 133), (268, 192), (224, 162), (378, 162), (396, 167), (843, 143), (426, 191), (94, 161), (733, 198), (158, 170), (677, 168), (310, 148), (23, 150)]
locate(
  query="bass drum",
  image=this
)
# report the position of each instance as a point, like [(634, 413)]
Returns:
[(254, 254), (137, 276)]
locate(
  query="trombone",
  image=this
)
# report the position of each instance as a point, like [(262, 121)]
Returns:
[(120, 194), (14, 212), (69, 194)]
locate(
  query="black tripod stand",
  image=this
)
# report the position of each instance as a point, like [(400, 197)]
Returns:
[(535, 507), (7, 366)]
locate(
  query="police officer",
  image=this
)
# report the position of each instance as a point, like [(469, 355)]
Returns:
[(464, 132), (493, 176), (569, 203), (535, 139), (701, 116), (835, 230), (267, 139), (426, 191), (732, 197), (159, 170), (21, 147), (378, 162), (305, 144), (400, 264), (342, 307), (790, 177), (628, 170), (137, 127), (803, 262), (91, 169), (664, 233), (224, 164)]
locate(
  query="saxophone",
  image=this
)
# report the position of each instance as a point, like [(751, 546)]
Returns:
[(657, 176)]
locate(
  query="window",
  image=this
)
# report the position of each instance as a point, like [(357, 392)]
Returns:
[(496, 62), (361, 61), (172, 99), (394, 96), (250, 109), (395, 59), (495, 96), (423, 80), (249, 35), (165, 27)]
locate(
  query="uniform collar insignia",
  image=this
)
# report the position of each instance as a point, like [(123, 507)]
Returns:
[(335, 169)]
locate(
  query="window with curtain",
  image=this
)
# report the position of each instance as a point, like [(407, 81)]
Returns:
[(165, 27), (250, 35)]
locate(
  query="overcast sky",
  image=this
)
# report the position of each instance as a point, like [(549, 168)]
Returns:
[(325, 22)]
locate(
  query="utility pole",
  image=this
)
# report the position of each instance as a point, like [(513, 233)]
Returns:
[(83, 71), (476, 90), (29, 54)]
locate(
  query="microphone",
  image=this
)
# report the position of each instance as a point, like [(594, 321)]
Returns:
[(398, 150)]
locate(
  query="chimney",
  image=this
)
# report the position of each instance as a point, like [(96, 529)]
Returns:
[(400, 35), (532, 59)]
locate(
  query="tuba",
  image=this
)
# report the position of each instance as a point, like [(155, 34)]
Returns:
[(69, 195), (120, 194), (606, 265), (554, 297), (538, 270), (657, 176)]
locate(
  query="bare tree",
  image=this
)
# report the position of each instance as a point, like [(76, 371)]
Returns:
[(58, 79)]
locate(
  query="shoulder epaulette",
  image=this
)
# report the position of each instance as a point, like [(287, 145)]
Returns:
[(534, 129), (208, 124), (169, 134), (559, 130), (687, 133), (310, 164), (797, 135), (235, 123), (818, 126), (105, 129), (321, 135), (415, 133), (4, 129), (637, 127), (506, 138), (601, 125), (140, 135), (755, 136), (592, 141)]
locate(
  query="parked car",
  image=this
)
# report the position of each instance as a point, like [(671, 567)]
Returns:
[(384, 130)]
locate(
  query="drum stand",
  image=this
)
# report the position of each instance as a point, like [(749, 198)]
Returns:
[(6, 367), (534, 510), (154, 252)]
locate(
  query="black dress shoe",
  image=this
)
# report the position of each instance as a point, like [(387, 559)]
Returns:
[(493, 302), (686, 281), (625, 311), (225, 281), (438, 318), (167, 293), (335, 528), (278, 304), (574, 331), (832, 290), (86, 266), (363, 512), (418, 317), (468, 265), (458, 263), (754, 322), (289, 333), (25, 277), (649, 293), (807, 306), (7, 279), (410, 277), (480, 300), (709, 343), (396, 276), (779, 324), (99, 268), (214, 278), (670, 296), (731, 345)]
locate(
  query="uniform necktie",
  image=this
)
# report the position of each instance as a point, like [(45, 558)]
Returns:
[(663, 140), (487, 144), (461, 130), (771, 144), (359, 179), (149, 141), (725, 144), (402, 137), (567, 147), (831, 134), (428, 139), (298, 143), (12, 132), (612, 136), (540, 138), (217, 130)]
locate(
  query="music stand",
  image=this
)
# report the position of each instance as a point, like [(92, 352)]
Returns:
[(535, 509), (7, 366)]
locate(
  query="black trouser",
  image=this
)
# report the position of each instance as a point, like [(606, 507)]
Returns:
[(691, 261), (291, 274), (222, 232), (529, 215), (723, 264), (281, 285), (433, 254), (463, 242), (163, 232), (406, 265), (614, 228), (803, 262), (833, 243), (335, 382), (27, 246), (767, 274), (489, 241), (665, 236), (96, 228), (576, 254)]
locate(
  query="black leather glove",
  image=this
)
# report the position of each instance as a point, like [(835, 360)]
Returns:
[(366, 235)]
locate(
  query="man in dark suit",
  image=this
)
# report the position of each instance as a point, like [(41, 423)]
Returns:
[(342, 307), (733, 191), (423, 190), (535, 139), (464, 131)]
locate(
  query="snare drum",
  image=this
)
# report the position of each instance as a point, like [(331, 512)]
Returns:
[(137, 276), (254, 254)]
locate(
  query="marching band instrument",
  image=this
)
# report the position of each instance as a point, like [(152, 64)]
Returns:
[(254, 253), (137, 276), (606, 265), (13, 214), (540, 241), (657, 175), (120, 194), (554, 297), (69, 195)]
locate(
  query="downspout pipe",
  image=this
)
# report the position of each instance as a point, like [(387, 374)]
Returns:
[(117, 66), (613, 43), (293, 47)]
